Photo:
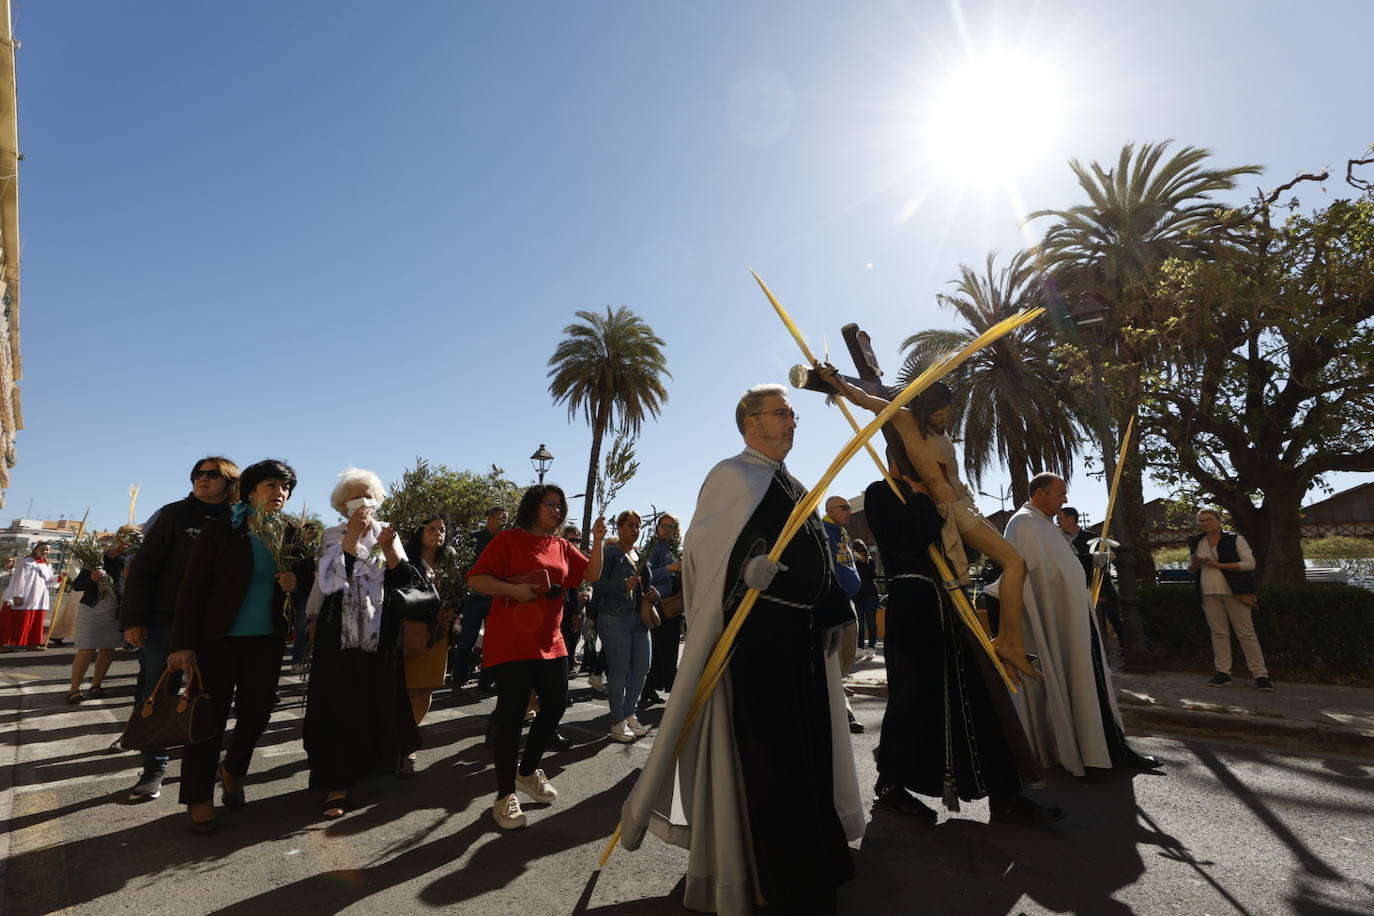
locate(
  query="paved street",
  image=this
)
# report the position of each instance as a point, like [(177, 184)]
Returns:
[(1225, 830)]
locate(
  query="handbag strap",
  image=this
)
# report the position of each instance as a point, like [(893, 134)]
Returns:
[(192, 678)]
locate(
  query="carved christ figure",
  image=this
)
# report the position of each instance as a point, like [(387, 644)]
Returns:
[(922, 428)]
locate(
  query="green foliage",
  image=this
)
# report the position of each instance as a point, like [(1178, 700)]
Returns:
[(1313, 631), (610, 368), (1354, 555), (619, 469), (462, 499), (1012, 406), (1171, 557)]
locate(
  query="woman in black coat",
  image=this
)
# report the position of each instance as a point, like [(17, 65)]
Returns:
[(231, 622)]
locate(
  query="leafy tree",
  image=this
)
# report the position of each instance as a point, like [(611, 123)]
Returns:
[(620, 469), (461, 497), (1273, 385), (1008, 408), (1106, 255), (610, 368)]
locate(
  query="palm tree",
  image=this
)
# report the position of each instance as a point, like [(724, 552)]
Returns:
[(611, 369), (1010, 410), (1108, 252)]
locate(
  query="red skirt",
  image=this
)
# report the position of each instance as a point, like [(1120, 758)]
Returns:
[(20, 628)]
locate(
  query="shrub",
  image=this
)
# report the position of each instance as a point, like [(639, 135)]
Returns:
[(1326, 631)]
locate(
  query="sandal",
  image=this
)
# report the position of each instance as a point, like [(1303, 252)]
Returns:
[(335, 808), (76, 696), (96, 692), (232, 800)]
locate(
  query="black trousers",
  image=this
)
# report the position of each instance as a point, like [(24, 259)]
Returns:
[(548, 678), (240, 673)]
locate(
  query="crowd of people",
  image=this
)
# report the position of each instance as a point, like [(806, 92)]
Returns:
[(223, 579)]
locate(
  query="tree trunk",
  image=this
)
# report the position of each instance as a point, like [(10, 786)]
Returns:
[(1278, 560), (1131, 504), (589, 495)]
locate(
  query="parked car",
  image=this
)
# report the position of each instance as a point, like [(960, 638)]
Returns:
[(1327, 575)]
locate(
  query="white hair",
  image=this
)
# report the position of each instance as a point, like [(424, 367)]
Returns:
[(1212, 512), (347, 478)]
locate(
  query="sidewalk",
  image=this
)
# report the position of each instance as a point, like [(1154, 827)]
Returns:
[(1311, 717)]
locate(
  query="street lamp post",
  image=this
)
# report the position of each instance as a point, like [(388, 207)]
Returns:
[(1091, 318), (541, 461)]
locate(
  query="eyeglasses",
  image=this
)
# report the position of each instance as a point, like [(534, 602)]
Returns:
[(553, 507), (211, 474), (782, 413), (671, 526)]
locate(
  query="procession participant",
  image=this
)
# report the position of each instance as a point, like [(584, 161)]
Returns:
[(475, 608), (231, 623), (923, 429), (524, 643), (1071, 715), (26, 600), (97, 632), (427, 547), (1107, 606), (766, 792), (950, 729), (617, 593), (663, 570), (359, 723), (155, 574), (837, 513)]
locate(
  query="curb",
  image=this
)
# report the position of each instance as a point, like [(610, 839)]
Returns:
[(1246, 729), (1282, 733)]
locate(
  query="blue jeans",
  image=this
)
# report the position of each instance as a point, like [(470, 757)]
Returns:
[(626, 641), (474, 613), (868, 620), (152, 661)]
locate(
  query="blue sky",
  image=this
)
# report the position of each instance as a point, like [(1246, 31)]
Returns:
[(345, 233)]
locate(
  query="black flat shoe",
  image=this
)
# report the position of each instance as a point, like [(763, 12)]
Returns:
[(899, 801), (1021, 810), (558, 742), (76, 696), (1141, 762), (234, 801), (335, 808)]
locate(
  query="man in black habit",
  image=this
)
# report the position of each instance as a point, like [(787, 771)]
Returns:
[(766, 793), (950, 729)]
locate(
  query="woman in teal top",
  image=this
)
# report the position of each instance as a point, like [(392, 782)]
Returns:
[(231, 622)]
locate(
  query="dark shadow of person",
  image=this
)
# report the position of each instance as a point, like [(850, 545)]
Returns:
[(963, 866)]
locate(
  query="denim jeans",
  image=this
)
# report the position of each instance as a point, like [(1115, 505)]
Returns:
[(152, 661), (474, 613), (626, 641), (868, 620)]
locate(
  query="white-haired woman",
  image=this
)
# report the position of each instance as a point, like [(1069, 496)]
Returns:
[(358, 721)]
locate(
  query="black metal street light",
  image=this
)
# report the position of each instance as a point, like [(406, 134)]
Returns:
[(541, 461), (1091, 317)]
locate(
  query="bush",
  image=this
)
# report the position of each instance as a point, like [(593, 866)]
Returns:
[(1326, 631)]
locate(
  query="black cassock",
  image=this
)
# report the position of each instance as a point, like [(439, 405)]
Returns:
[(780, 709), (949, 723)]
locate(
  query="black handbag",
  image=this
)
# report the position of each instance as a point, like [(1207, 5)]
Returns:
[(417, 601), (168, 718)]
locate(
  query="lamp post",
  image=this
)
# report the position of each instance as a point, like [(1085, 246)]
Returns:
[(541, 461), (1091, 318)]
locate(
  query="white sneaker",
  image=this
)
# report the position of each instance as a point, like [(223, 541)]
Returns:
[(506, 812), (597, 682), (635, 728), (868, 654), (536, 787), (619, 732)]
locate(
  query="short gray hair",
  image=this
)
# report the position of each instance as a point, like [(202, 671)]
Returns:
[(347, 478), (1212, 512), (1043, 481), (752, 400)]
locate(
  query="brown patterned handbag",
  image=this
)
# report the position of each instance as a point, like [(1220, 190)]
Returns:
[(171, 718)]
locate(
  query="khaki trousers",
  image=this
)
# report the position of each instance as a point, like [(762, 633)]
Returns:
[(849, 648), (1226, 613)]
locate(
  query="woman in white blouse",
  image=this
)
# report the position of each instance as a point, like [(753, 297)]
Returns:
[(26, 600), (1226, 582)]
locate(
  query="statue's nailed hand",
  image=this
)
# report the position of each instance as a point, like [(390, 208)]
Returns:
[(760, 572)]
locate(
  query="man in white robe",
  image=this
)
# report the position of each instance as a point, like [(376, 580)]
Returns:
[(1071, 716), (764, 802)]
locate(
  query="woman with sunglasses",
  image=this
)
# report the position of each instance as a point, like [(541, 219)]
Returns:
[(617, 593), (526, 569)]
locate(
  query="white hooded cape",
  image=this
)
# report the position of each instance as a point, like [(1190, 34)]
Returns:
[(698, 801), (1061, 714)]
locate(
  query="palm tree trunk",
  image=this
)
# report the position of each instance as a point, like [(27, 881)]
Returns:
[(589, 495)]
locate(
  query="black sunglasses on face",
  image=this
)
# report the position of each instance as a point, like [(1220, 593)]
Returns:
[(211, 474)]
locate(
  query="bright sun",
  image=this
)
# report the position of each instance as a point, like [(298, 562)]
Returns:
[(995, 114)]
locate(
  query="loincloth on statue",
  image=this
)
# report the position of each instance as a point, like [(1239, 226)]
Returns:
[(961, 516)]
